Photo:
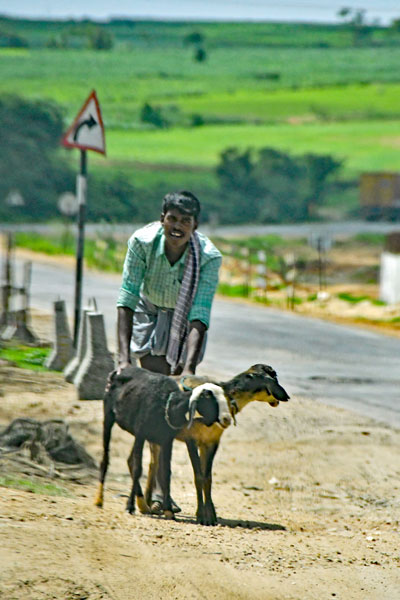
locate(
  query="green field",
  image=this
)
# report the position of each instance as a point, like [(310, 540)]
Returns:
[(233, 83), (364, 145), (297, 88), (339, 119)]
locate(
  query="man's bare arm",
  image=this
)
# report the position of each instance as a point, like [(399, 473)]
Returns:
[(197, 330), (124, 324)]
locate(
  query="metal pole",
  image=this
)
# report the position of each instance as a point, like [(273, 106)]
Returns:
[(81, 185), (8, 279)]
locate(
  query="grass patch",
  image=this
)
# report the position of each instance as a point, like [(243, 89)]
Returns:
[(60, 245), (103, 253), (351, 298), (234, 291), (355, 299), (35, 487), (372, 239), (26, 357)]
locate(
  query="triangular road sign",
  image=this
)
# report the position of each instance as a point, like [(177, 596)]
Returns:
[(87, 130)]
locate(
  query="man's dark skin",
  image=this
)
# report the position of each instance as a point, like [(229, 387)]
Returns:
[(178, 227)]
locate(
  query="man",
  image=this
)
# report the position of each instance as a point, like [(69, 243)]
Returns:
[(169, 280)]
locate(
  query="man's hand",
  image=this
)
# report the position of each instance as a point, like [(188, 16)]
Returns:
[(122, 365)]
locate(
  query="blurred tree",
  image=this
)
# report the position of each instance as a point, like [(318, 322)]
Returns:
[(355, 20), (271, 186), (29, 162), (200, 55), (12, 40), (100, 39), (152, 115), (318, 169), (196, 40)]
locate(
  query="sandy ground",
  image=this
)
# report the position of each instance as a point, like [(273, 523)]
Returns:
[(308, 500)]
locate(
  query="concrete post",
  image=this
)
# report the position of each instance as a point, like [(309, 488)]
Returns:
[(63, 349), (19, 330), (91, 377), (72, 367)]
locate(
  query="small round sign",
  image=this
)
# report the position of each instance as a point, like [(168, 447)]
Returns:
[(68, 204)]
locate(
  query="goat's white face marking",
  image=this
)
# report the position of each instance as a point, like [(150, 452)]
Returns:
[(224, 415)]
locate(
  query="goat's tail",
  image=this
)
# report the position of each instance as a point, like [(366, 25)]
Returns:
[(109, 420)]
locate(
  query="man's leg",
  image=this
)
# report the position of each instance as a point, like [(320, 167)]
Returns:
[(158, 364)]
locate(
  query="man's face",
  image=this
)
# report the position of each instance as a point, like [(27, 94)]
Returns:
[(178, 227)]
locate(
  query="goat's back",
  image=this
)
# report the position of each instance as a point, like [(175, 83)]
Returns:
[(139, 401)]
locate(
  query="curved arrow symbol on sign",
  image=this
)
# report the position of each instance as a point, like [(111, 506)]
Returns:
[(90, 122)]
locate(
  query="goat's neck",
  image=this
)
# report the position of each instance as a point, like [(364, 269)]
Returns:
[(238, 400), (175, 413)]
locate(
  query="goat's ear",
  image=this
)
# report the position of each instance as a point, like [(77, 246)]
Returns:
[(277, 391), (192, 412)]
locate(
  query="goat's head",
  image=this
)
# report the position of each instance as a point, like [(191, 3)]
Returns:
[(259, 382), (209, 401)]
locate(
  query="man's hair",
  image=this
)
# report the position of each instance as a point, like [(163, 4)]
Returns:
[(185, 202)]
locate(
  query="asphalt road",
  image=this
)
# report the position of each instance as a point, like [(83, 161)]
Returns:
[(344, 366)]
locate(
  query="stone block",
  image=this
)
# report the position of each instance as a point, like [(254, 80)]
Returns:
[(63, 349), (91, 377)]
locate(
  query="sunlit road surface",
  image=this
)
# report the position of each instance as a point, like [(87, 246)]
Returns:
[(335, 364)]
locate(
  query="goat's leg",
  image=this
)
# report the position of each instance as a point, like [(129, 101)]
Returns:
[(198, 479), (164, 476), (109, 420), (153, 468), (135, 468), (207, 453)]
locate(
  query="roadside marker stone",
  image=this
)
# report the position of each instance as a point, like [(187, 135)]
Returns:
[(63, 349), (72, 367), (91, 377)]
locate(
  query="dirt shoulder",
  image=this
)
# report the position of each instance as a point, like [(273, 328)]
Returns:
[(307, 496)]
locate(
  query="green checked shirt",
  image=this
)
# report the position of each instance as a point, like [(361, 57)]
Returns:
[(148, 271)]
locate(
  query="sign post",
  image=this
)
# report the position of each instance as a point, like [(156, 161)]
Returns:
[(85, 133)]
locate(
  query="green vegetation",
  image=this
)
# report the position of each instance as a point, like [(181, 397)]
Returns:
[(25, 357), (175, 96), (356, 299), (33, 486), (277, 186), (103, 253)]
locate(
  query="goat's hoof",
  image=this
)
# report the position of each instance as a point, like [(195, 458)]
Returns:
[(169, 515), (207, 522), (143, 506), (98, 502)]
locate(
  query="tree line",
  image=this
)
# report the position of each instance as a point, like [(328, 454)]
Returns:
[(264, 186)]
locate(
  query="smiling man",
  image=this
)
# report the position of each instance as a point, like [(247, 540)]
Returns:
[(169, 281)]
